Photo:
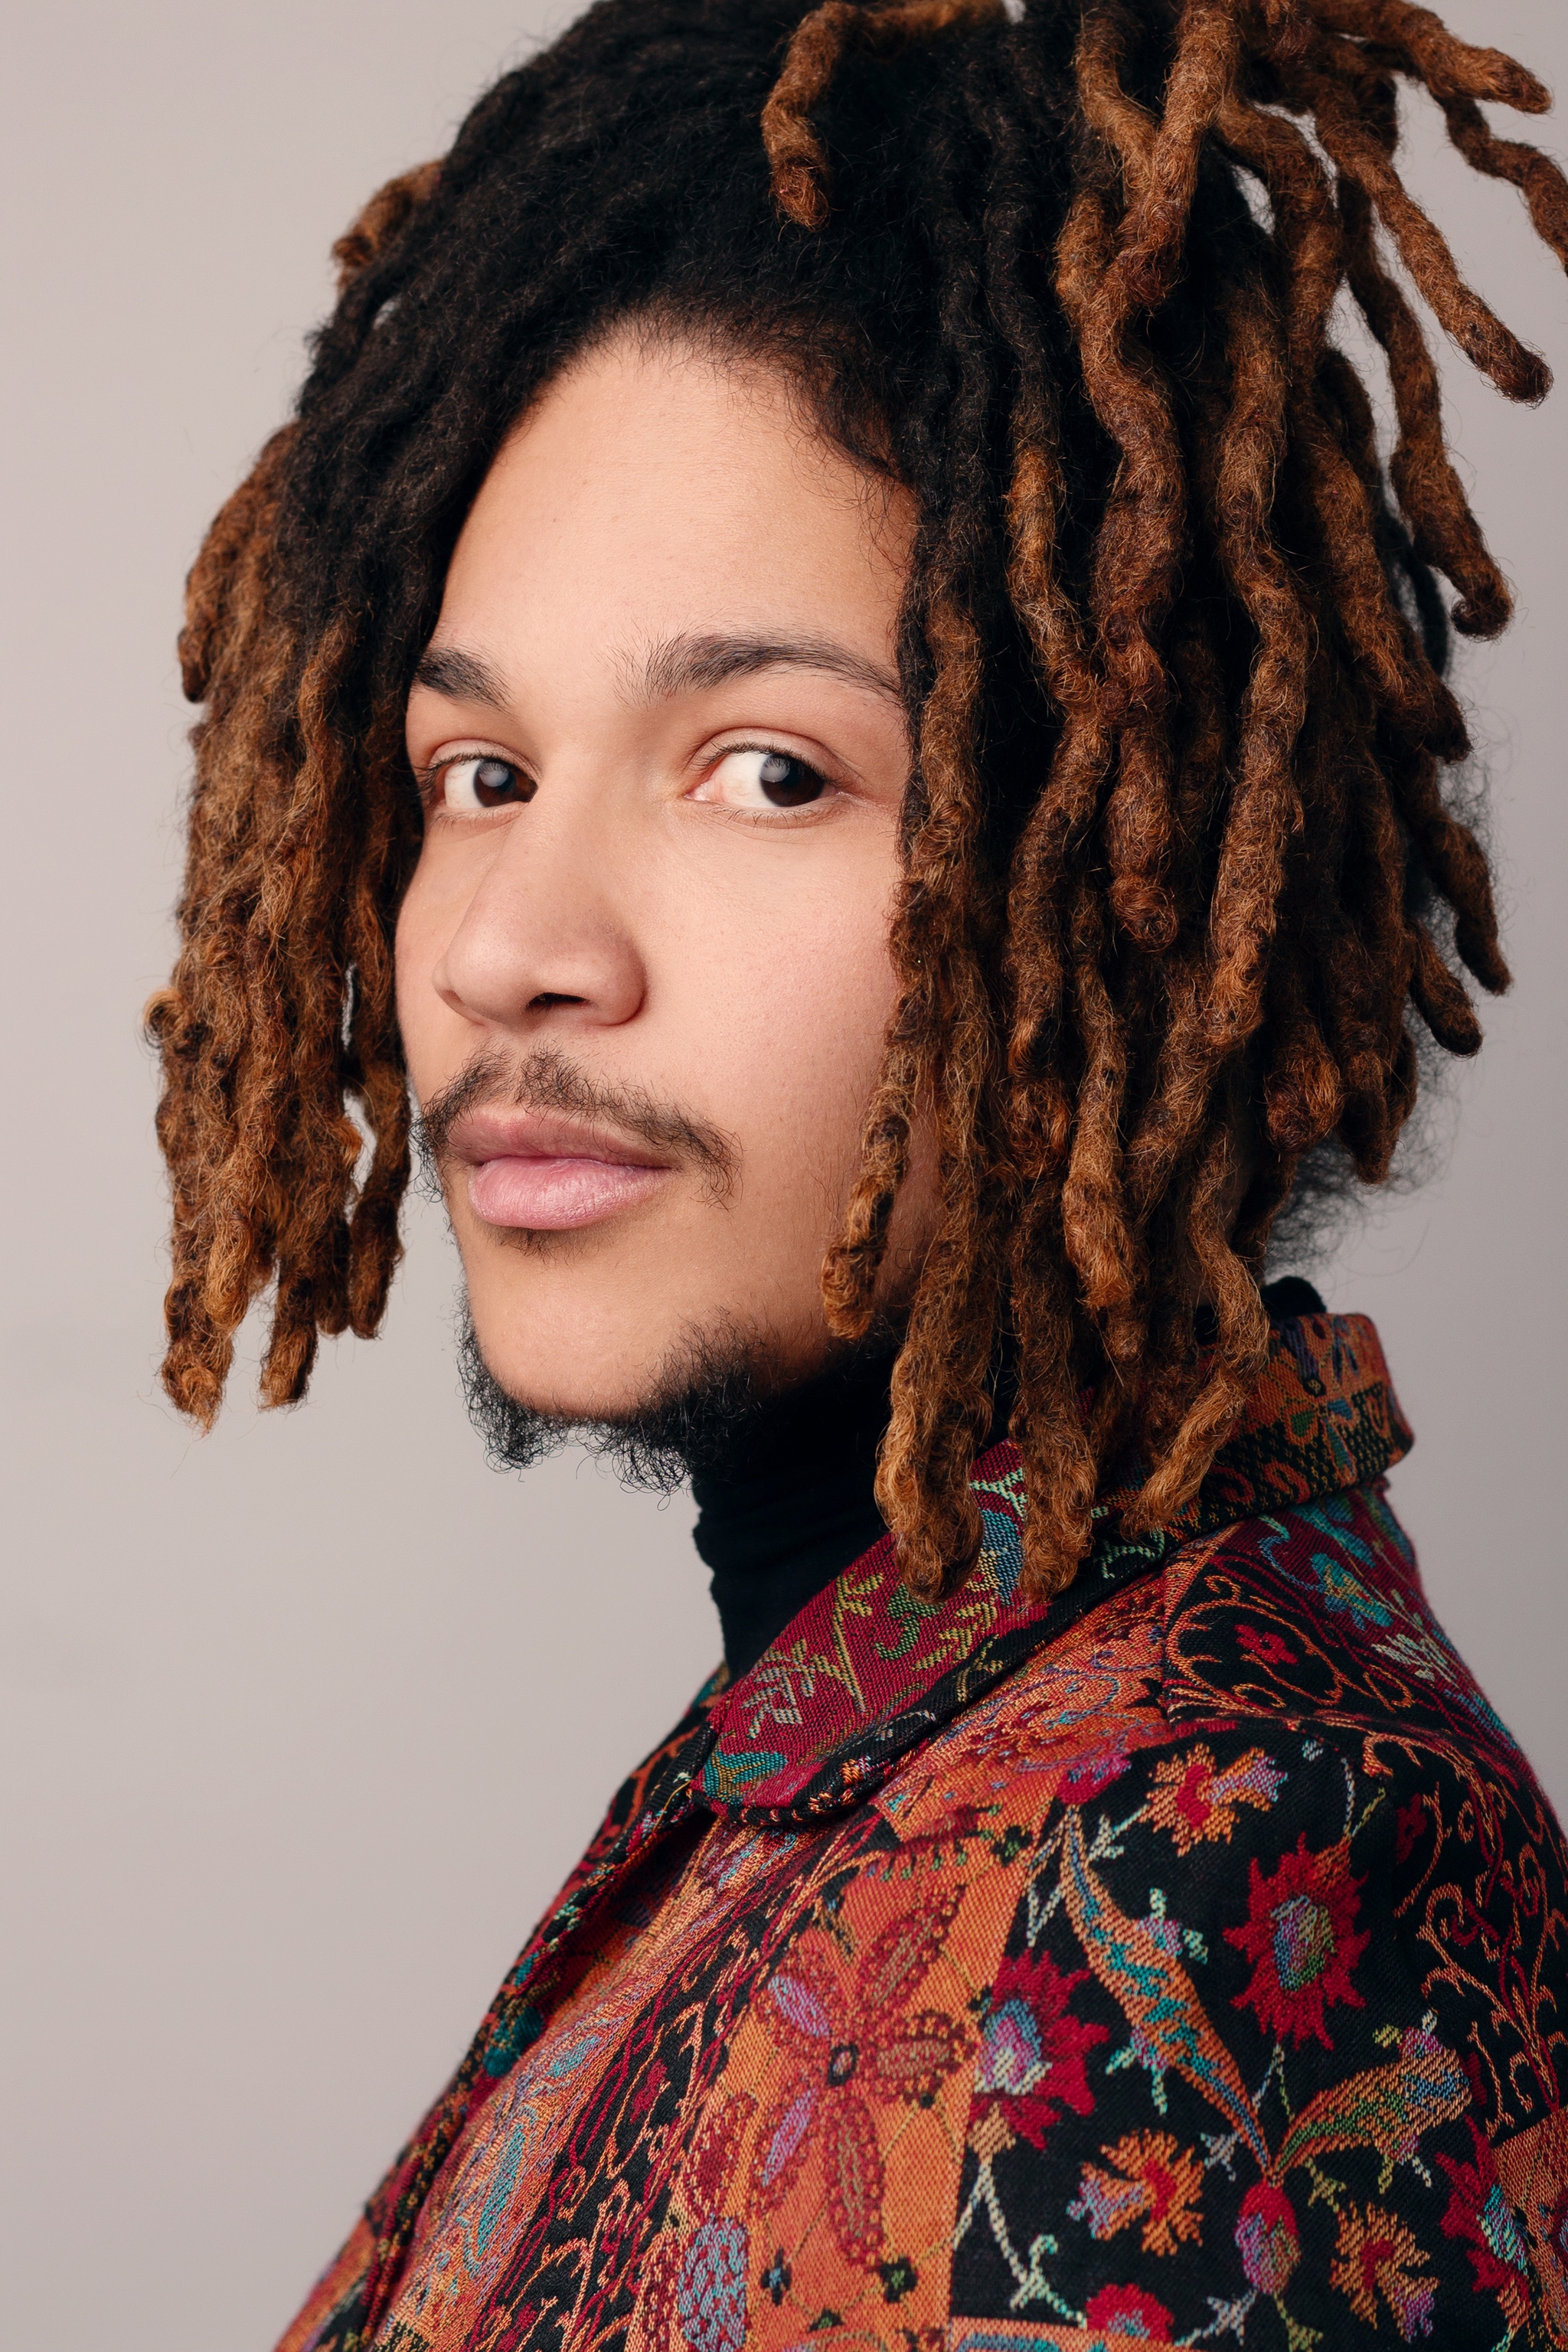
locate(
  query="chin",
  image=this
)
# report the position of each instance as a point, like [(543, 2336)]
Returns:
[(562, 1338), (571, 1388)]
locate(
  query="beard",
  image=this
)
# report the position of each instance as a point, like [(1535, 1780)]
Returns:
[(707, 1396), (700, 1412)]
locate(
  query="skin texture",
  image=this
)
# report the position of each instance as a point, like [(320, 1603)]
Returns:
[(643, 1005)]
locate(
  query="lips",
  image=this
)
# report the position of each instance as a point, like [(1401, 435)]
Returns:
[(552, 1196), (549, 1175)]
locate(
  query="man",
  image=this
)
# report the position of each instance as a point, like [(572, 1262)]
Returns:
[(831, 675)]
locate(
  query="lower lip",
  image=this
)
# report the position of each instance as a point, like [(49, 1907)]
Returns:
[(555, 1196)]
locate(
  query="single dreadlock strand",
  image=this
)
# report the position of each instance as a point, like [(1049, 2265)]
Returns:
[(1136, 558), (1141, 536), (855, 1258), (1061, 815), (1539, 180), (1376, 900), (1060, 1472), (1449, 66), (1446, 532), (1060, 637), (1036, 505), (1355, 1029), (1457, 864), (1439, 996), (942, 1400), (936, 864), (1303, 1094), (1240, 1352), (1096, 1234), (1202, 76), (1376, 893), (1266, 807), (794, 149), (941, 1406), (1336, 1001), (940, 1396), (817, 48), (1125, 127)]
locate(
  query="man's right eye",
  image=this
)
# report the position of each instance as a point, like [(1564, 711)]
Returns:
[(482, 783)]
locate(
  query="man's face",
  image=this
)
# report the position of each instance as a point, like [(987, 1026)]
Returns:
[(642, 966)]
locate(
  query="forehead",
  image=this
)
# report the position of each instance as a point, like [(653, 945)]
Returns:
[(654, 490)]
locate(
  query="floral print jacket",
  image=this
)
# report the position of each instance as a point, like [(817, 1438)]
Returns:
[(1179, 1963)]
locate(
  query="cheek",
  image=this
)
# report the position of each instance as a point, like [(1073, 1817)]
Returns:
[(797, 1015), (422, 1018)]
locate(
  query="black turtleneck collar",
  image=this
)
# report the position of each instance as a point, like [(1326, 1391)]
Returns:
[(788, 1503)]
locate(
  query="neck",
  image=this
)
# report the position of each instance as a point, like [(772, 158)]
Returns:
[(787, 1503)]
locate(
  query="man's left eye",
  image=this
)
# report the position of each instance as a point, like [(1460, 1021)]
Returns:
[(764, 780)]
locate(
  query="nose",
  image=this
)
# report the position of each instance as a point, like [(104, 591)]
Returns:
[(546, 939)]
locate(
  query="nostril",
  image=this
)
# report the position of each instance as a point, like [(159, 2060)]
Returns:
[(542, 1002)]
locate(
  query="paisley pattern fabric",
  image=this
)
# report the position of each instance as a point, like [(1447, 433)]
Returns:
[(1183, 1961)]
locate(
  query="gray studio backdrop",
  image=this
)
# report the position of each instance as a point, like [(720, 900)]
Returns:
[(304, 1723)]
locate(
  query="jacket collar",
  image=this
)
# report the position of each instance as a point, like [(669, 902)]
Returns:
[(865, 1671)]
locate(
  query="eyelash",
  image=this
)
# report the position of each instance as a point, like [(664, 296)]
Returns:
[(776, 750), (428, 779)]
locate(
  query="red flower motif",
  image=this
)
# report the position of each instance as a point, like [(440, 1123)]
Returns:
[(1302, 1939), (851, 2043), (1268, 2239), (1265, 1649), (1481, 2215), (1130, 2312), (1033, 2049)]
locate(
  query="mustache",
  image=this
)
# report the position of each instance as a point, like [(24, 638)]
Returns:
[(547, 1081)]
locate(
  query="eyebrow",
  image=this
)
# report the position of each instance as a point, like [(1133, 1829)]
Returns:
[(462, 676), (672, 665), (686, 665)]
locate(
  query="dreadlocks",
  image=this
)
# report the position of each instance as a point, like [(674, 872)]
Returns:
[(1178, 860)]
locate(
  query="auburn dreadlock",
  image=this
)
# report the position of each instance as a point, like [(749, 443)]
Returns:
[(1178, 857)]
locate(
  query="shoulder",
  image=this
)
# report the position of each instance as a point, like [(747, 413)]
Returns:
[(1317, 1614), (1311, 1622), (1293, 1928), (1274, 1737)]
